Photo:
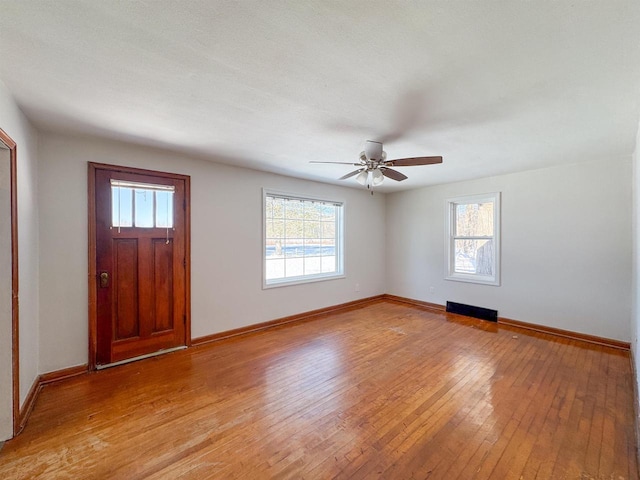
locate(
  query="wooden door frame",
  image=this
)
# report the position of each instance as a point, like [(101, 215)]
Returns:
[(15, 330), (93, 277)]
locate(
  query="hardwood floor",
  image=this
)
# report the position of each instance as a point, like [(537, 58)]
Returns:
[(385, 391)]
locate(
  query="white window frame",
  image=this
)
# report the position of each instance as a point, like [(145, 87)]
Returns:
[(281, 282), (450, 233)]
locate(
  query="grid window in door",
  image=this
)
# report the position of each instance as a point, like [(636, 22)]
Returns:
[(302, 239), (141, 205)]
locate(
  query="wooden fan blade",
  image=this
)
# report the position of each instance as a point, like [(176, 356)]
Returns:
[(350, 174), (337, 163), (408, 162), (393, 174)]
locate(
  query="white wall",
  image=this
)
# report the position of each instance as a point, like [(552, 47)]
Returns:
[(566, 247), (15, 124), (226, 243)]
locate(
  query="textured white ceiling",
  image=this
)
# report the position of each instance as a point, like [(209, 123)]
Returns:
[(492, 86)]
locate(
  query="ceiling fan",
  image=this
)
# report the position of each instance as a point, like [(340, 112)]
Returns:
[(373, 165)]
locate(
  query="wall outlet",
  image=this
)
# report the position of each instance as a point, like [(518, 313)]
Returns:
[(357, 287), (432, 289)]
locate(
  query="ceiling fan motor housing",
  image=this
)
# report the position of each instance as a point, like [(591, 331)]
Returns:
[(373, 150)]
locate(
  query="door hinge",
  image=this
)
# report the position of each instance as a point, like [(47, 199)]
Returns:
[(184, 262), (184, 318), (184, 204)]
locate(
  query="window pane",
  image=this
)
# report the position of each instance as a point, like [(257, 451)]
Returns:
[(474, 257), (278, 228), (474, 219), (294, 267), (144, 208), (312, 211), (274, 248), (293, 209), (328, 229), (268, 207), (294, 229), (312, 229), (294, 248), (164, 209), (312, 247), (312, 265), (328, 264), (277, 207), (328, 212), (121, 206), (274, 228), (328, 248), (274, 269)]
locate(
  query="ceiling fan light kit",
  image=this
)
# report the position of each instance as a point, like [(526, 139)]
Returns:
[(373, 160), (362, 177), (376, 177)]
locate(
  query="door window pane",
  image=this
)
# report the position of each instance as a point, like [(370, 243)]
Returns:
[(144, 208), (121, 206), (164, 209)]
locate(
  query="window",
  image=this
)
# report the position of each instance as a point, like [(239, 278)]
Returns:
[(302, 239), (473, 239), (141, 205)]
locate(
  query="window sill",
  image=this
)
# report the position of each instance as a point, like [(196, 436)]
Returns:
[(482, 280), (300, 280)]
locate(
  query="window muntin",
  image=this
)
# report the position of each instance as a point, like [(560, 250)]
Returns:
[(302, 239), (473, 239), (141, 205)]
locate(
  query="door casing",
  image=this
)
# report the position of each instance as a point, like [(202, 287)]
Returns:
[(19, 418)]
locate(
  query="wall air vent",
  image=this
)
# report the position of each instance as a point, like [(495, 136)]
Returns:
[(471, 311)]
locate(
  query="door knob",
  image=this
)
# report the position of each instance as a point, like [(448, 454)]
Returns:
[(104, 280)]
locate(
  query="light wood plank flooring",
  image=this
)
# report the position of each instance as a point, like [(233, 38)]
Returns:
[(385, 391)]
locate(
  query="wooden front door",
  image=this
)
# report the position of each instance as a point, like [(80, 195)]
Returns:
[(139, 275)]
